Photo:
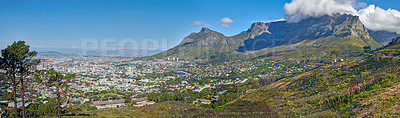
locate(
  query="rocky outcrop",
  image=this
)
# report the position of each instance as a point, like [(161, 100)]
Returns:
[(383, 37), (271, 34)]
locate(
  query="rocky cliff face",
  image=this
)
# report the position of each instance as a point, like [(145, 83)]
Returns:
[(257, 29), (383, 37), (271, 34), (395, 41)]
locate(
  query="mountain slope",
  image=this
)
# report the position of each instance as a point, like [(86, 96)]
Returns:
[(395, 41), (284, 33), (383, 37), (206, 44), (281, 37), (363, 86)]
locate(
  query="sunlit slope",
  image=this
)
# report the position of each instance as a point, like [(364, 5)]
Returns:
[(367, 85)]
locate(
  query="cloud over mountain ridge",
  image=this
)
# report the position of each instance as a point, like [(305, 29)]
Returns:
[(373, 17)]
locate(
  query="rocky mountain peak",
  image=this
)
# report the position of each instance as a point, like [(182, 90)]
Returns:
[(205, 30), (383, 37), (258, 28)]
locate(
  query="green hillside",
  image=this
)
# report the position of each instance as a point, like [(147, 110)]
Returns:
[(374, 90), (363, 86), (164, 109)]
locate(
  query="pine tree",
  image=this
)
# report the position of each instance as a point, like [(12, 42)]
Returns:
[(17, 60)]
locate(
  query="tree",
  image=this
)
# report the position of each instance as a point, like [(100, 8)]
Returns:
[(336, 53), (367, 49), (17, 59), (52, 78)]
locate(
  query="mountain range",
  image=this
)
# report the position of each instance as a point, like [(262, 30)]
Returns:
[(310, 38)]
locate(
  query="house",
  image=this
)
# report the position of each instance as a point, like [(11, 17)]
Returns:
[(144, 103), (86, 100), (19, 104), (139, 100), (109, 104), (202, 101), (222, 92)]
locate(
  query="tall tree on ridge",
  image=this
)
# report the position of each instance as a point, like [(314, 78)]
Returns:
[(17, 60)]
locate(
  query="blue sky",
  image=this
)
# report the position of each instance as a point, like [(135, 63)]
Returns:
[(66, 23)]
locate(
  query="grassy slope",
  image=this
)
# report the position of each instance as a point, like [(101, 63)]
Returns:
[(309, 49), (299, 96), (164, 109), (173, 109), (312, 49)]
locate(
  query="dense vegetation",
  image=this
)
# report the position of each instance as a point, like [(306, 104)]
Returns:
[(365, 85)]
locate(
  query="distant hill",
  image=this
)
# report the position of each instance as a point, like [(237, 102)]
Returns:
[(279, 39), (383, 37), (50, 53), (392, 49), (395, 41), (206, 44)]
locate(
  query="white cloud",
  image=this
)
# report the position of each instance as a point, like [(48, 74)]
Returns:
[(374, 18), (298, 10), (200, 23), (268, 21), (226, 22)]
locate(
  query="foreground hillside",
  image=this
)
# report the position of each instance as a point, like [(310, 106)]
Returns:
[(367, 85), (164, 109), (174, 109)]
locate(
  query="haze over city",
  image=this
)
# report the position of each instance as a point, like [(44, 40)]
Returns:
[(64, 26)]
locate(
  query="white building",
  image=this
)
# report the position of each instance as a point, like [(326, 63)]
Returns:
[(202, 101), (142, 101), (109, 104)]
